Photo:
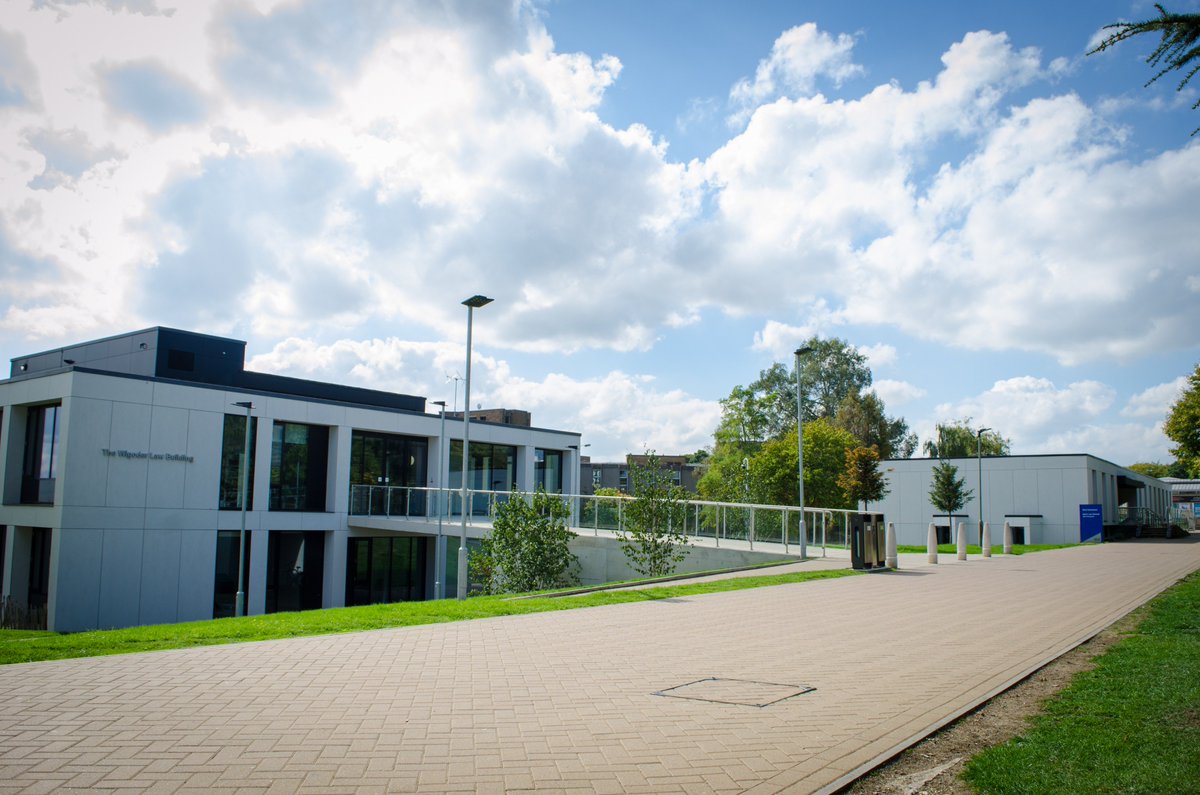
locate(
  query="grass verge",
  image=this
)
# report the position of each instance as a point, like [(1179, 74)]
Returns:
[(1131, 725), (975, 549), (21, 646)]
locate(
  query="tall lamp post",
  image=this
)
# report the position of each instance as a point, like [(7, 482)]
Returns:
[(800, 448), (239, 606), (472, 303), (439, 552), (979, 461)]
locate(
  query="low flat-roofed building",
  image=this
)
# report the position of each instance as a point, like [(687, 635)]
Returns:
[(121, 462), (1038, 495)]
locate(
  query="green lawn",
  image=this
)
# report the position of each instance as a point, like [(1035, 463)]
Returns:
[(1131, 725), (975, 549), (22, 646)]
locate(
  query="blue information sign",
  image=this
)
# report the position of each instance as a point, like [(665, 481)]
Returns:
[(1091, 522)]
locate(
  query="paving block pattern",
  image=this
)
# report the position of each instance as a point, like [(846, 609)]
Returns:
[(567, 702)]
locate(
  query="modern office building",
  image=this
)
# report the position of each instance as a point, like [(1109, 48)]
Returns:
[(1038, 495), (121, 463)]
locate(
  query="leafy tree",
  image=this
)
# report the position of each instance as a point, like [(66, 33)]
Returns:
[(766, 409), (957, 440), (1178, 50), (528, 547), (773, 469), (948, 493), (1183, 425), (862, 481), (863, 415), (833, 369), (698, 457), (1155, 469), (654, 538), (772, 473), (724, 479)]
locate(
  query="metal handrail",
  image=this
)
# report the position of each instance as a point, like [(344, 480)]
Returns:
[(751, 522)]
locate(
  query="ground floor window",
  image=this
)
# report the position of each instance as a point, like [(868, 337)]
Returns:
[(226, 579), (385, 569), (295, 570), (39, 568), (943, 534)]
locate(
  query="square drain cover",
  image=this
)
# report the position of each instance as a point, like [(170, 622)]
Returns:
[(735, 691)]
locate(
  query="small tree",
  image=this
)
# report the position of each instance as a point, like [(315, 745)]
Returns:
[(948, 492), (654, 538), (528, 547), (862, 481)]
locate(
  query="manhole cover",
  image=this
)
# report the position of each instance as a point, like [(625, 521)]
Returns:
[(735, 691)]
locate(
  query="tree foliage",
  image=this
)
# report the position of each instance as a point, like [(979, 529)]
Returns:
[(528, 547), (1157, 469), (862, 481), (863, 415), (766, 409), (654, 537), (948, 493), (1177, 51), (957, 440), (1183, 425)]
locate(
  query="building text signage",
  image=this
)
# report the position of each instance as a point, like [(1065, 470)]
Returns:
[(143, 455)]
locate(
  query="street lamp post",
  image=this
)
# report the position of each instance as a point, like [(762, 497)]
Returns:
[(472, 303), (800, 448), (439, 551), (979, 461), (239, 606)]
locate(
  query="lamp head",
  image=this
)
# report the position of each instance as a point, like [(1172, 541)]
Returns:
[(982, 431), (477, 301), (246, 404), (804, 350)]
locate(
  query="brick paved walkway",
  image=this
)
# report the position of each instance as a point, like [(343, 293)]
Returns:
[(566, 702)]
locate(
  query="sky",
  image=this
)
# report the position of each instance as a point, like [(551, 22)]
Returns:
[(662, 197)]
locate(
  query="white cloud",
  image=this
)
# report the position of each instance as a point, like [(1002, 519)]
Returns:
[(1029, 410), (896, 393), (1156, 401), (1040, 417), (798, 57), (878, 355), (331, 181)]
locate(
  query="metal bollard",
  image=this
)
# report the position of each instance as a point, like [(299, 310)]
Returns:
[(893, 560), (931, 544), (987, 540), (962, 540), (1007, 538)]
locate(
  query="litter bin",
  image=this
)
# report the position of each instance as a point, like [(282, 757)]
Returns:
[(868, 541)]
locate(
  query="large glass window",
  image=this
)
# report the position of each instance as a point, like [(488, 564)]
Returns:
[(41, 455), (233, 450), (295, 570), (493, 467), (226, 579), (385, 569), (392, 466), (548, 470), (299, 462)]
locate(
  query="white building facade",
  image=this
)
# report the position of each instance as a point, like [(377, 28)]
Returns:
[(121, 458), (1038, 495)]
